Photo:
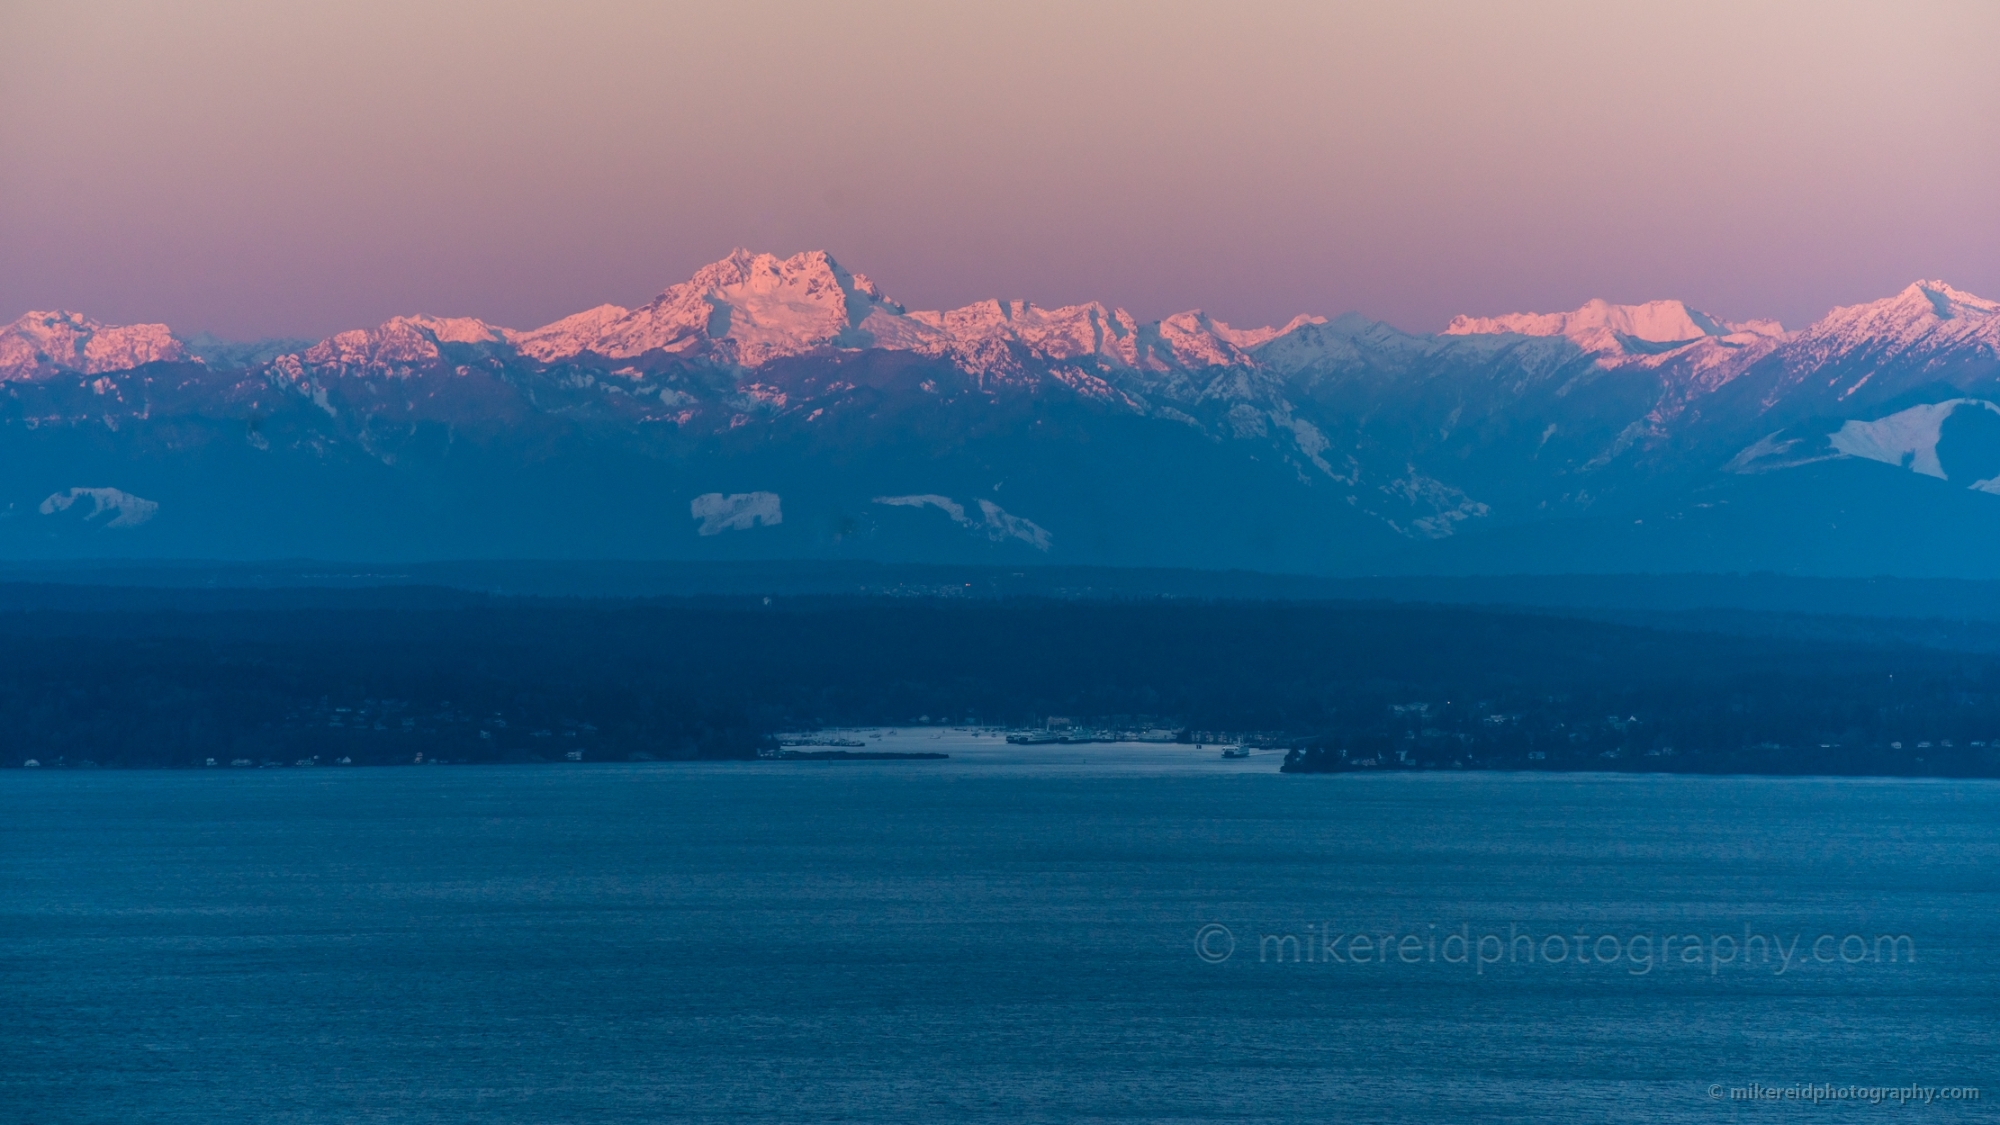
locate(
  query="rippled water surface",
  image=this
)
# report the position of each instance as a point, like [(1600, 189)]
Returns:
[(1008, 935)]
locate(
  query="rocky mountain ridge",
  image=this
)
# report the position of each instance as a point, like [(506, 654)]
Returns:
[(1315, 444)]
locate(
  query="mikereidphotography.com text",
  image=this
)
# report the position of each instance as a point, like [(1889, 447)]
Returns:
[(1635, 951)]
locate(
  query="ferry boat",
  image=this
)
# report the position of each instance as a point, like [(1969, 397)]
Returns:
[(1236, 751)]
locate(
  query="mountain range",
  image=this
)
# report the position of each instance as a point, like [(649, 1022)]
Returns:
[(787, 408)]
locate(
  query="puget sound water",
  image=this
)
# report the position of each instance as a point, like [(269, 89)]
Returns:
[(1098, 933)]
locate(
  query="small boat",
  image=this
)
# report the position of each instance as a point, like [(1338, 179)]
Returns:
[(1235, 751)]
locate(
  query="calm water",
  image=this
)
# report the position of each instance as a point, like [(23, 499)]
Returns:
[(999, 937)]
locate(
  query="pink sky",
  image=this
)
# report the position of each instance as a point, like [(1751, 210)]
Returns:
[(258, 169)]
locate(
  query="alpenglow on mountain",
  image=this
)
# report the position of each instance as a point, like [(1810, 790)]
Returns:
[(788, 408)]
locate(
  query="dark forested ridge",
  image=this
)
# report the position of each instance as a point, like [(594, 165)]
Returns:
[(173, 678), (209, 584)]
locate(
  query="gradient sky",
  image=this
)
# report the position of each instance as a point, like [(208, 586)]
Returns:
[(276, 169)]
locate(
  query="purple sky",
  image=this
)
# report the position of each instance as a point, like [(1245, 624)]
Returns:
[(258, 169)]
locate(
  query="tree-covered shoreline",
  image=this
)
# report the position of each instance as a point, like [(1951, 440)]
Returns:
[(380, 677)]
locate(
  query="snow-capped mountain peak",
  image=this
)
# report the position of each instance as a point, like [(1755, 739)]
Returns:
[(572, 335), (1199, 340), (1600, 326), (1948, 303), (42, 344), (1922, 307), (984, 331), (400, 344), (1926, 317), (750, 308), (746, 308), (1704, 351)]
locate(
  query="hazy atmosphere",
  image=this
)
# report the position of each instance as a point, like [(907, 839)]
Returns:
[(254, 170)]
